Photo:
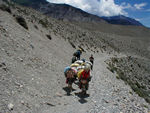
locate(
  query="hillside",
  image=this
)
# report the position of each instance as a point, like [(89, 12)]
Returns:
[(33, 57)]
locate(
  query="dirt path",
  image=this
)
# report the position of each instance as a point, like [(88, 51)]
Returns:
[(106, 94)]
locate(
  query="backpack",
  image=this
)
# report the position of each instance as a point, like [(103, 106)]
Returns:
[(79, 73), (78, 53)]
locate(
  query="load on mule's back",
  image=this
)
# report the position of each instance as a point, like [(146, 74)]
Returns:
[(70, 74), (84, 78)]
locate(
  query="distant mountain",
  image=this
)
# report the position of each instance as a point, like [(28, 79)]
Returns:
[(29, 2), (122, 20), (70, 13), (60, 11), (67, 12)]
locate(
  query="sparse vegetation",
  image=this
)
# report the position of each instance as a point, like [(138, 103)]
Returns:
[(22, 22), (5, 8), (44, 22), (24, 11), (72, 44), (134, 80), (49, 37), (111, 67), (10, 4)]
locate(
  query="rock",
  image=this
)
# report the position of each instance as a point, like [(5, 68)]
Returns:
[(59, 103), (94, 101), (58, 94), (12, 92), (31, 46), (5, 69), (106, 101), (124, 97), (115, 104), (10, 106), (50, 104), (21, 86), (22, 102), (21, 59), (65, 104), (3, 49), (18, 84), (1, 65), (27, 105), (118, 100)]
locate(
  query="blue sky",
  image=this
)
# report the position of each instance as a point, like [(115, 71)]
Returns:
[(137, 9), (140, 10)]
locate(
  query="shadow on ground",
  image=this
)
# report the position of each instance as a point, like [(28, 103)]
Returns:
[(82, 97), (68, 90)]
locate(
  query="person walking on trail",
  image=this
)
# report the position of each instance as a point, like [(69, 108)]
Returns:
[(84, 78), (74, 58), (92, 61), (78, 53)]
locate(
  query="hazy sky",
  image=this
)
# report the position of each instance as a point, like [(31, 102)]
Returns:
[(137, 9)]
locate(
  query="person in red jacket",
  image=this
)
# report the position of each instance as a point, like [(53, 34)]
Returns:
[(85, 78), (92, 61)]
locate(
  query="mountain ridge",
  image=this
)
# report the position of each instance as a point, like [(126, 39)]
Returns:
[(123, 20), (70, 13)]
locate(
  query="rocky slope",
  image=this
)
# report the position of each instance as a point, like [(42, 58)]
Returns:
[(32, 60), (134, 71)]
